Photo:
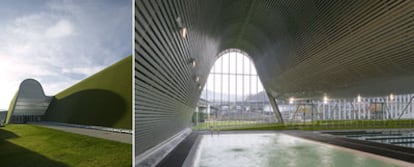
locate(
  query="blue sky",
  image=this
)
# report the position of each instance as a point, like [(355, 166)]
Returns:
[(60, 42)]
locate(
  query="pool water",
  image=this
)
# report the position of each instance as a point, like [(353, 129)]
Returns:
[(400, 138), (276, 149)]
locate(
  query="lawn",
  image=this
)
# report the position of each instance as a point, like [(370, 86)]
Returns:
[(30, 145)]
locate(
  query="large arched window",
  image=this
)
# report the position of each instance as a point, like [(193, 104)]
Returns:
[(233, 94)]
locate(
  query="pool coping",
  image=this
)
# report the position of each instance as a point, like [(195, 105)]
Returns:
[(194, 154), (178, 155), (158, 153), (386, 150)]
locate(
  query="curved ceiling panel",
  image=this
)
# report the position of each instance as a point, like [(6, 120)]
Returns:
[(307, 48)]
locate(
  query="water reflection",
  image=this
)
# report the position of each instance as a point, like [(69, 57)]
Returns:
[(274, 149)]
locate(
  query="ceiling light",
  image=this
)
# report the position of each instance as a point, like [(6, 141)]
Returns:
[(391, 97), (179, 22), (291, 100), (192, 62), (183, 32), (325, 99)]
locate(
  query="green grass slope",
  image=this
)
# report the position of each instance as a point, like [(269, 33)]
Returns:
[(104, 99), (11, 107), (30, 145)]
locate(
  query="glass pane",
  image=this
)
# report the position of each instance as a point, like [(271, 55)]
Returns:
[(232, 90), (232, 64), (246, 65), (225, 63), (239, 63), (235, 92)]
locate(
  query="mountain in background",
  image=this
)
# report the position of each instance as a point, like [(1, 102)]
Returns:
[(215, 96), (261, 96)]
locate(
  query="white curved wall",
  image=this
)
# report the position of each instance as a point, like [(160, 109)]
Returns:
[(31, 100)]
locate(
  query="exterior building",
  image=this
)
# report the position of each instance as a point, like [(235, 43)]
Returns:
[(104, 99), (30, 103)]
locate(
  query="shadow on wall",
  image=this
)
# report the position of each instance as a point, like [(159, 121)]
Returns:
[(14, 155), (88, 107)]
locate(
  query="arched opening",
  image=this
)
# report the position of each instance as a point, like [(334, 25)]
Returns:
[(233, 94)]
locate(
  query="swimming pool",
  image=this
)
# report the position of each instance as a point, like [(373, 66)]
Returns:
[(404, 138), (277, 149)]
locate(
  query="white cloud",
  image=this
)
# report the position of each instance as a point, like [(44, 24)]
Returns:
[(58, 44), (82, 70), (62, 28)]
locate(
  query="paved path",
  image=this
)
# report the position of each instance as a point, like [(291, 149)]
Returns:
[(114, 136)]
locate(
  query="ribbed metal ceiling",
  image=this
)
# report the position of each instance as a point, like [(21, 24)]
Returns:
[(307, 48)]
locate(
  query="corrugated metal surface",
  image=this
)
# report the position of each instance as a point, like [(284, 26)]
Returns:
[(166, 92), (339, 45)]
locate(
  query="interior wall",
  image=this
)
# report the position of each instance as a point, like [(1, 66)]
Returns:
[(166, 89)]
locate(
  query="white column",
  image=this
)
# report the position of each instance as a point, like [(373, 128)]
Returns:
[(368, 109), (387, 102), (323, 110), (411, 107), (398, 101), (392, 109), (334, 111), (208, 111)]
